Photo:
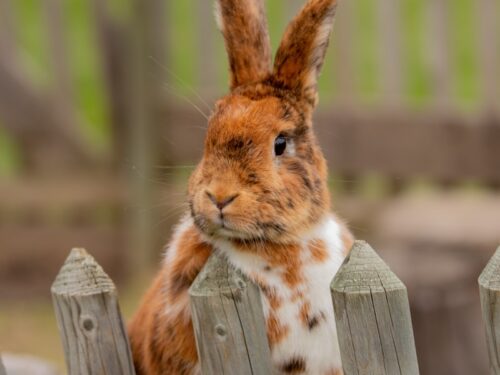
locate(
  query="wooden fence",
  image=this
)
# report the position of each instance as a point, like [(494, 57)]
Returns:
[(370, 302)]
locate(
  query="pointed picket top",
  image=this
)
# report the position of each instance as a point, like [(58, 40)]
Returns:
[(490, 277), (372, 316), (218, 276), (82, 275), (362, 270), (228, 321)]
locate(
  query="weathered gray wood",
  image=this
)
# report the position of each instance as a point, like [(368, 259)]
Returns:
[(489, 290), (89, 319), (2, 368), (373, 317), (228, 322)]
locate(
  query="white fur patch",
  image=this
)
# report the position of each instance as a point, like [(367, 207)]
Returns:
[(185, 223), (317, 346)]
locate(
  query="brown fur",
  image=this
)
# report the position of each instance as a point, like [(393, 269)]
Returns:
[(244, 27), (302, 51), (268, 201), (276, 331), (164, 343), (318, 249)]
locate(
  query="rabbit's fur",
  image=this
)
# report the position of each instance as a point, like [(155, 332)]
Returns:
[(268, 213)]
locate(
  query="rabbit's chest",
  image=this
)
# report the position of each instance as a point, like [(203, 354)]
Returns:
[(297, 302)]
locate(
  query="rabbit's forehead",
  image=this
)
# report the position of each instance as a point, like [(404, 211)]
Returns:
[(249, 119)]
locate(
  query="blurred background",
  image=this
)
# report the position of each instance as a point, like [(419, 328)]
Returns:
[(102, 117)]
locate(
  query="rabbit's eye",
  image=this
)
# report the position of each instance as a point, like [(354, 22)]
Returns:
[(279, 145)]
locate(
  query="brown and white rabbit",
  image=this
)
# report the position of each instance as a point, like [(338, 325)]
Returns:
[(259, 196)]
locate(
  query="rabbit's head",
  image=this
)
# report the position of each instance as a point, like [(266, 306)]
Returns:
[(263, 176)]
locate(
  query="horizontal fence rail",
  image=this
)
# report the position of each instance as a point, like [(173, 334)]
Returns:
[(373, 317), (228, 322), (89, 319), (438, 146), (489, 291)]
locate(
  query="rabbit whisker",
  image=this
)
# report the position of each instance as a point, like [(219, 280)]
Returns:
[(181, 81)]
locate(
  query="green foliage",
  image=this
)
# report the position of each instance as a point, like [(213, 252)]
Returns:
[(183, 19), (464, 38), (366, 48), (86, 68), (9, 158), (415, 51)]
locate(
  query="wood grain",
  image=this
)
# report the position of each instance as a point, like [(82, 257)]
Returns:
[(373, 317), (228, 322), (489, 290), (89, 319)]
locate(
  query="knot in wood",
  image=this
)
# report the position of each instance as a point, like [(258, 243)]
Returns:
[(241, 284), (220, 330), (88, 323)]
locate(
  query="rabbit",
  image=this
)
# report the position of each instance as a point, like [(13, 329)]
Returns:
[(259, 196)]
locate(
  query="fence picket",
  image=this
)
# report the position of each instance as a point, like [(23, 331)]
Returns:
[(488, 51), (489, 290), (439, 51), (228, 322), (373, 317), (391, 74), (343, 38), (7, 33), (206, 61), (89, 319), (61, 75)]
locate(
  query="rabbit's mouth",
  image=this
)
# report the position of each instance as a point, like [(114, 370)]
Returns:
[(229, 233), (223, 228)]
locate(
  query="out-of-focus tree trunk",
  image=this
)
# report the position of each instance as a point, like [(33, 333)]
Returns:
[(144, 103)]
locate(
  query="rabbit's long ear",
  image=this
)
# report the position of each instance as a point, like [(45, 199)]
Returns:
[(244, 26), (302, 50)]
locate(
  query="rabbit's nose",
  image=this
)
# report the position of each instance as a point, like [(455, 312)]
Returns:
[(221, 202)]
